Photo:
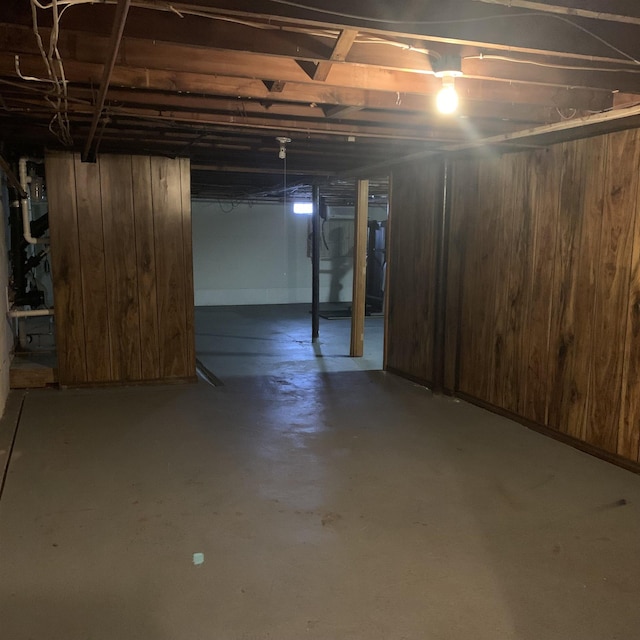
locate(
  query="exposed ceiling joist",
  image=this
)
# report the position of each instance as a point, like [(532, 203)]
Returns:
[(219, 79), (339, 54), (525, 136), (565, 10), (119, 21), (464, 22)]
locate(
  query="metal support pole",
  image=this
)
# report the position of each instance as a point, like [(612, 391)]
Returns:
[(315, 263)]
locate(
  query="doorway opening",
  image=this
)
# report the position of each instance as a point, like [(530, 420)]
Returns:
[(252, 281)]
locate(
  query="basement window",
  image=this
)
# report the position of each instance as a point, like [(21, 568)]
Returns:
[(303, 208)]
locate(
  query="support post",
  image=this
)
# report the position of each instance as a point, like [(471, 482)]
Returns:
[(315, 264), (442, 257), (358, 299)]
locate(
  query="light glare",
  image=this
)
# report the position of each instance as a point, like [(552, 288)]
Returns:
[(447, 100), (303, 208)]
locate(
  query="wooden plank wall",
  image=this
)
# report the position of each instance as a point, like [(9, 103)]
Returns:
[(122, 268), (543, 286), (412, 252)]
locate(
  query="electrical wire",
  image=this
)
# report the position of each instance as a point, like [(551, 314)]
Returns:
[(593, 35), (57, 97), (551, 65), (350, 16), (186, 11), (564, 117)]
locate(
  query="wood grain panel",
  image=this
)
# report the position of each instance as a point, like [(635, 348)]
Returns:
[(463, 181), (478, 335), (501, 256), (121, 266), (65, 264), (416, 201), (120, 232), (543, 296), (520, 282), (515, 227), (574, 284), (170, 266), (468, 296), (594, 163), (146, 267), (189, 309), (612, 289), (545, 170), (93, 271), (628, 444)]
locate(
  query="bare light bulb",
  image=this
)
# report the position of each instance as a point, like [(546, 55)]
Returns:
[(447, 98), (282, 153)]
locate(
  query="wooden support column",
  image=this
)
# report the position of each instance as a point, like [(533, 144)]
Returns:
[(442, 258), (359, 269), (315, 264)]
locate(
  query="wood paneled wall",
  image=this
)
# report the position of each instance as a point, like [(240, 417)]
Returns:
[(543, 288), (122, 268), (412, 249)]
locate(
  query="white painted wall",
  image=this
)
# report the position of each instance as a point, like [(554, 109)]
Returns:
[(257, 254)]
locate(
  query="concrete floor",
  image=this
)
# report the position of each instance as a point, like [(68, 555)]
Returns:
[(245, 341), (326, 504)]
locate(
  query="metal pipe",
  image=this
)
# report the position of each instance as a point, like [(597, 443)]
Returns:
[(30, 313), (315, 264), (26, 203), (17, 247)]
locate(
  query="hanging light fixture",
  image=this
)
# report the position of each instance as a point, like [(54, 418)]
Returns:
[(282, 153), (448, 68), (447, 98)]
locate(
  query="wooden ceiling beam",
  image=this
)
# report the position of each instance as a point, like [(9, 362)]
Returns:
[(153, 55), (549, 72), (405, 71), (463, 22), (319, 93), (452, 23), (565, 10), (474, 110), (339, 111), (161, 124), (284, 125), (339, 54), (225, 168), (274, 86)]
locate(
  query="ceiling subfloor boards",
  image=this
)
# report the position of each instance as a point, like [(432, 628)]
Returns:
[(220, 80)]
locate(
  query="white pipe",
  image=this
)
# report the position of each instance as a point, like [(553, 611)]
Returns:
[(26, 205), (21, 313)]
